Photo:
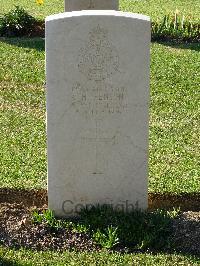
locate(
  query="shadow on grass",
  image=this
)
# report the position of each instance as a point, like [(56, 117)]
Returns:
[(30, 43), (133, 231), (6, 262), (39, 43), (39, 198), (189, 46), (156, 232), (151, 231)]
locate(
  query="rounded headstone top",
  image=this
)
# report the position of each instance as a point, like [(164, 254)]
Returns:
[(77, 5)]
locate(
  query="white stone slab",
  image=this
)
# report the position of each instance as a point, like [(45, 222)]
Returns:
[(97, 69), (75, 5)]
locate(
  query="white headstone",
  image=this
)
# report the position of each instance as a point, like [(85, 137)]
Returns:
[(76, 5), (97, 67)]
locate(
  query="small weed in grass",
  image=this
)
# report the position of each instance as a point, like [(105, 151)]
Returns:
[(77, 227), (109, 239), (37, 217), (47, 217)]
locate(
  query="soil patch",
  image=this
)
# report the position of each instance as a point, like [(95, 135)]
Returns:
[(38, 29), (184, 201), (39, 199), (17, 229), (186, 232), (28, 198)]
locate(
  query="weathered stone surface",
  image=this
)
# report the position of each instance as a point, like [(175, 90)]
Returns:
[(97, 66), (77, 5)]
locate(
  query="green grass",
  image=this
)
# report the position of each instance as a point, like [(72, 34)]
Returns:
[(22, 117), (175, 119), (154, 8), (174, 116), (27, 257), (157, 9)]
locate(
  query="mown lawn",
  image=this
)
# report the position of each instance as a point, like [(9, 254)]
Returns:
[(174, 116), (22, 117), (27, 257), (154, 8)]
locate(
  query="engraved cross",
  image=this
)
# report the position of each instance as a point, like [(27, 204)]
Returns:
[(97, 139)]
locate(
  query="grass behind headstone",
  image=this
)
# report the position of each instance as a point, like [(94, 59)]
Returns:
[(174, 116), (155, 8)]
